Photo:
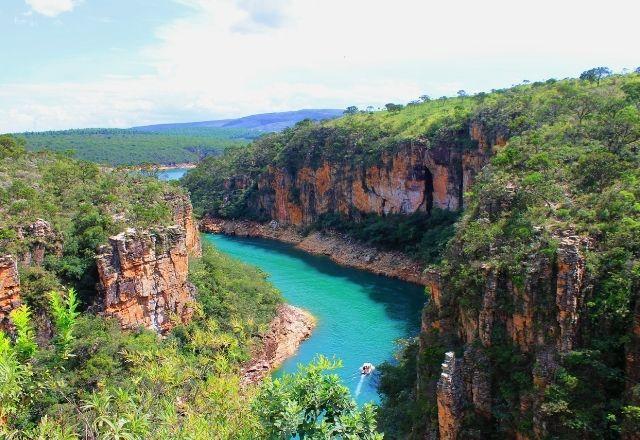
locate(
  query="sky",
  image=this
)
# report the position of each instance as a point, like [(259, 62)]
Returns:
[(121, 63)]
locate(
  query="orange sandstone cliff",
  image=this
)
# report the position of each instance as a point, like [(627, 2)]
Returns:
[(143, 278), (544, 331), (414, 176), (9, 289)]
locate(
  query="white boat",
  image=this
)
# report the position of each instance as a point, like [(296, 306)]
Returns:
[(367, 368)]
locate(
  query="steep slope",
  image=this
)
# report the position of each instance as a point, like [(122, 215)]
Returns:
[(535, 300)]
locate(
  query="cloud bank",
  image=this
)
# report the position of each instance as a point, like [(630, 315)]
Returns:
[(228, 58)]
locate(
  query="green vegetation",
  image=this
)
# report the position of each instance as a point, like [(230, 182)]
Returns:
[(100, 381), (68, 374), (313, 405), (136, 147), (84, 206), (420, 235), (571, 164)]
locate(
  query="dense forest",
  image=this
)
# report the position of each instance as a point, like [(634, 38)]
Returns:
[(563, 172), (67, 372), (137, 147)]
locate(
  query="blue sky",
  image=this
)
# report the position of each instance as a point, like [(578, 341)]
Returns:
[(118, 63)]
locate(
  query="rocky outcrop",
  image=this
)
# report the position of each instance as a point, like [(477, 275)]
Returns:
[(38, 239), (9, 289), (410, 177), (290, 327), (339, 247), (449, 398), (182, 215), (143, 278), (543, 320)]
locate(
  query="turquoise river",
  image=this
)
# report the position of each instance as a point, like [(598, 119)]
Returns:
[(360, 315)]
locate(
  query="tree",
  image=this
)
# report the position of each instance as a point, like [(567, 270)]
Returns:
[(351, 110), (462, 94), (391, 107), (11, 147), (595, 74), (637, 70), (311, 404), (424, 98), (632, 90)]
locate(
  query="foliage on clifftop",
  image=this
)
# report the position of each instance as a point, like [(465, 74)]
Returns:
[(571, 165), (83, 203)]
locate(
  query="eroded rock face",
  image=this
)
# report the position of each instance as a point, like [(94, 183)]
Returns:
[(9, 289), (414, 177), (182, 215), (290, 327), (449, 397), (40, 239), (143, 278), (543, 321)]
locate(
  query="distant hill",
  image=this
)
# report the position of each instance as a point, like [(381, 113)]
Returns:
[(168, 144), (266, 122)]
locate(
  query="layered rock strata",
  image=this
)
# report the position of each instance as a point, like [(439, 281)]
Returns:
[(143, 278), (412, 177), (290, 327), (544, 323), (182, 215)]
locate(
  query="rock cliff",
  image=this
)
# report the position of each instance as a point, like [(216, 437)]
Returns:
[(9, 289), (411, 177), (543, 321), (182, 215), (143, 278), (38, 239)]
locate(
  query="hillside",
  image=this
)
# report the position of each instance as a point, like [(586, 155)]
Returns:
[(534, 291), (167, 144), (133, 147)]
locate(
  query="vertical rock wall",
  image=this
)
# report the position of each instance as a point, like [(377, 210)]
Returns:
[(9, 289), (544, 322), (182, 215), (414, 177), (143, 278)]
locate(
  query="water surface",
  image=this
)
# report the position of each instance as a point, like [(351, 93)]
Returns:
[(360, 315), (172, 174)]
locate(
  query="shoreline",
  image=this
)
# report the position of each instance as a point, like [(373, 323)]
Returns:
[(287, 331), (341, 249)]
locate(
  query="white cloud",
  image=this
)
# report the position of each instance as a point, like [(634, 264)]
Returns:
[(52, 8), (236, 57)]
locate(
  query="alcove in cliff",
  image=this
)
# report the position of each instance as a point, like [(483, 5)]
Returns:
[(427, 199)]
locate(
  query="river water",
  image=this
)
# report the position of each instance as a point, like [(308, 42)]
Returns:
[(172, 173), (360, 315)]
